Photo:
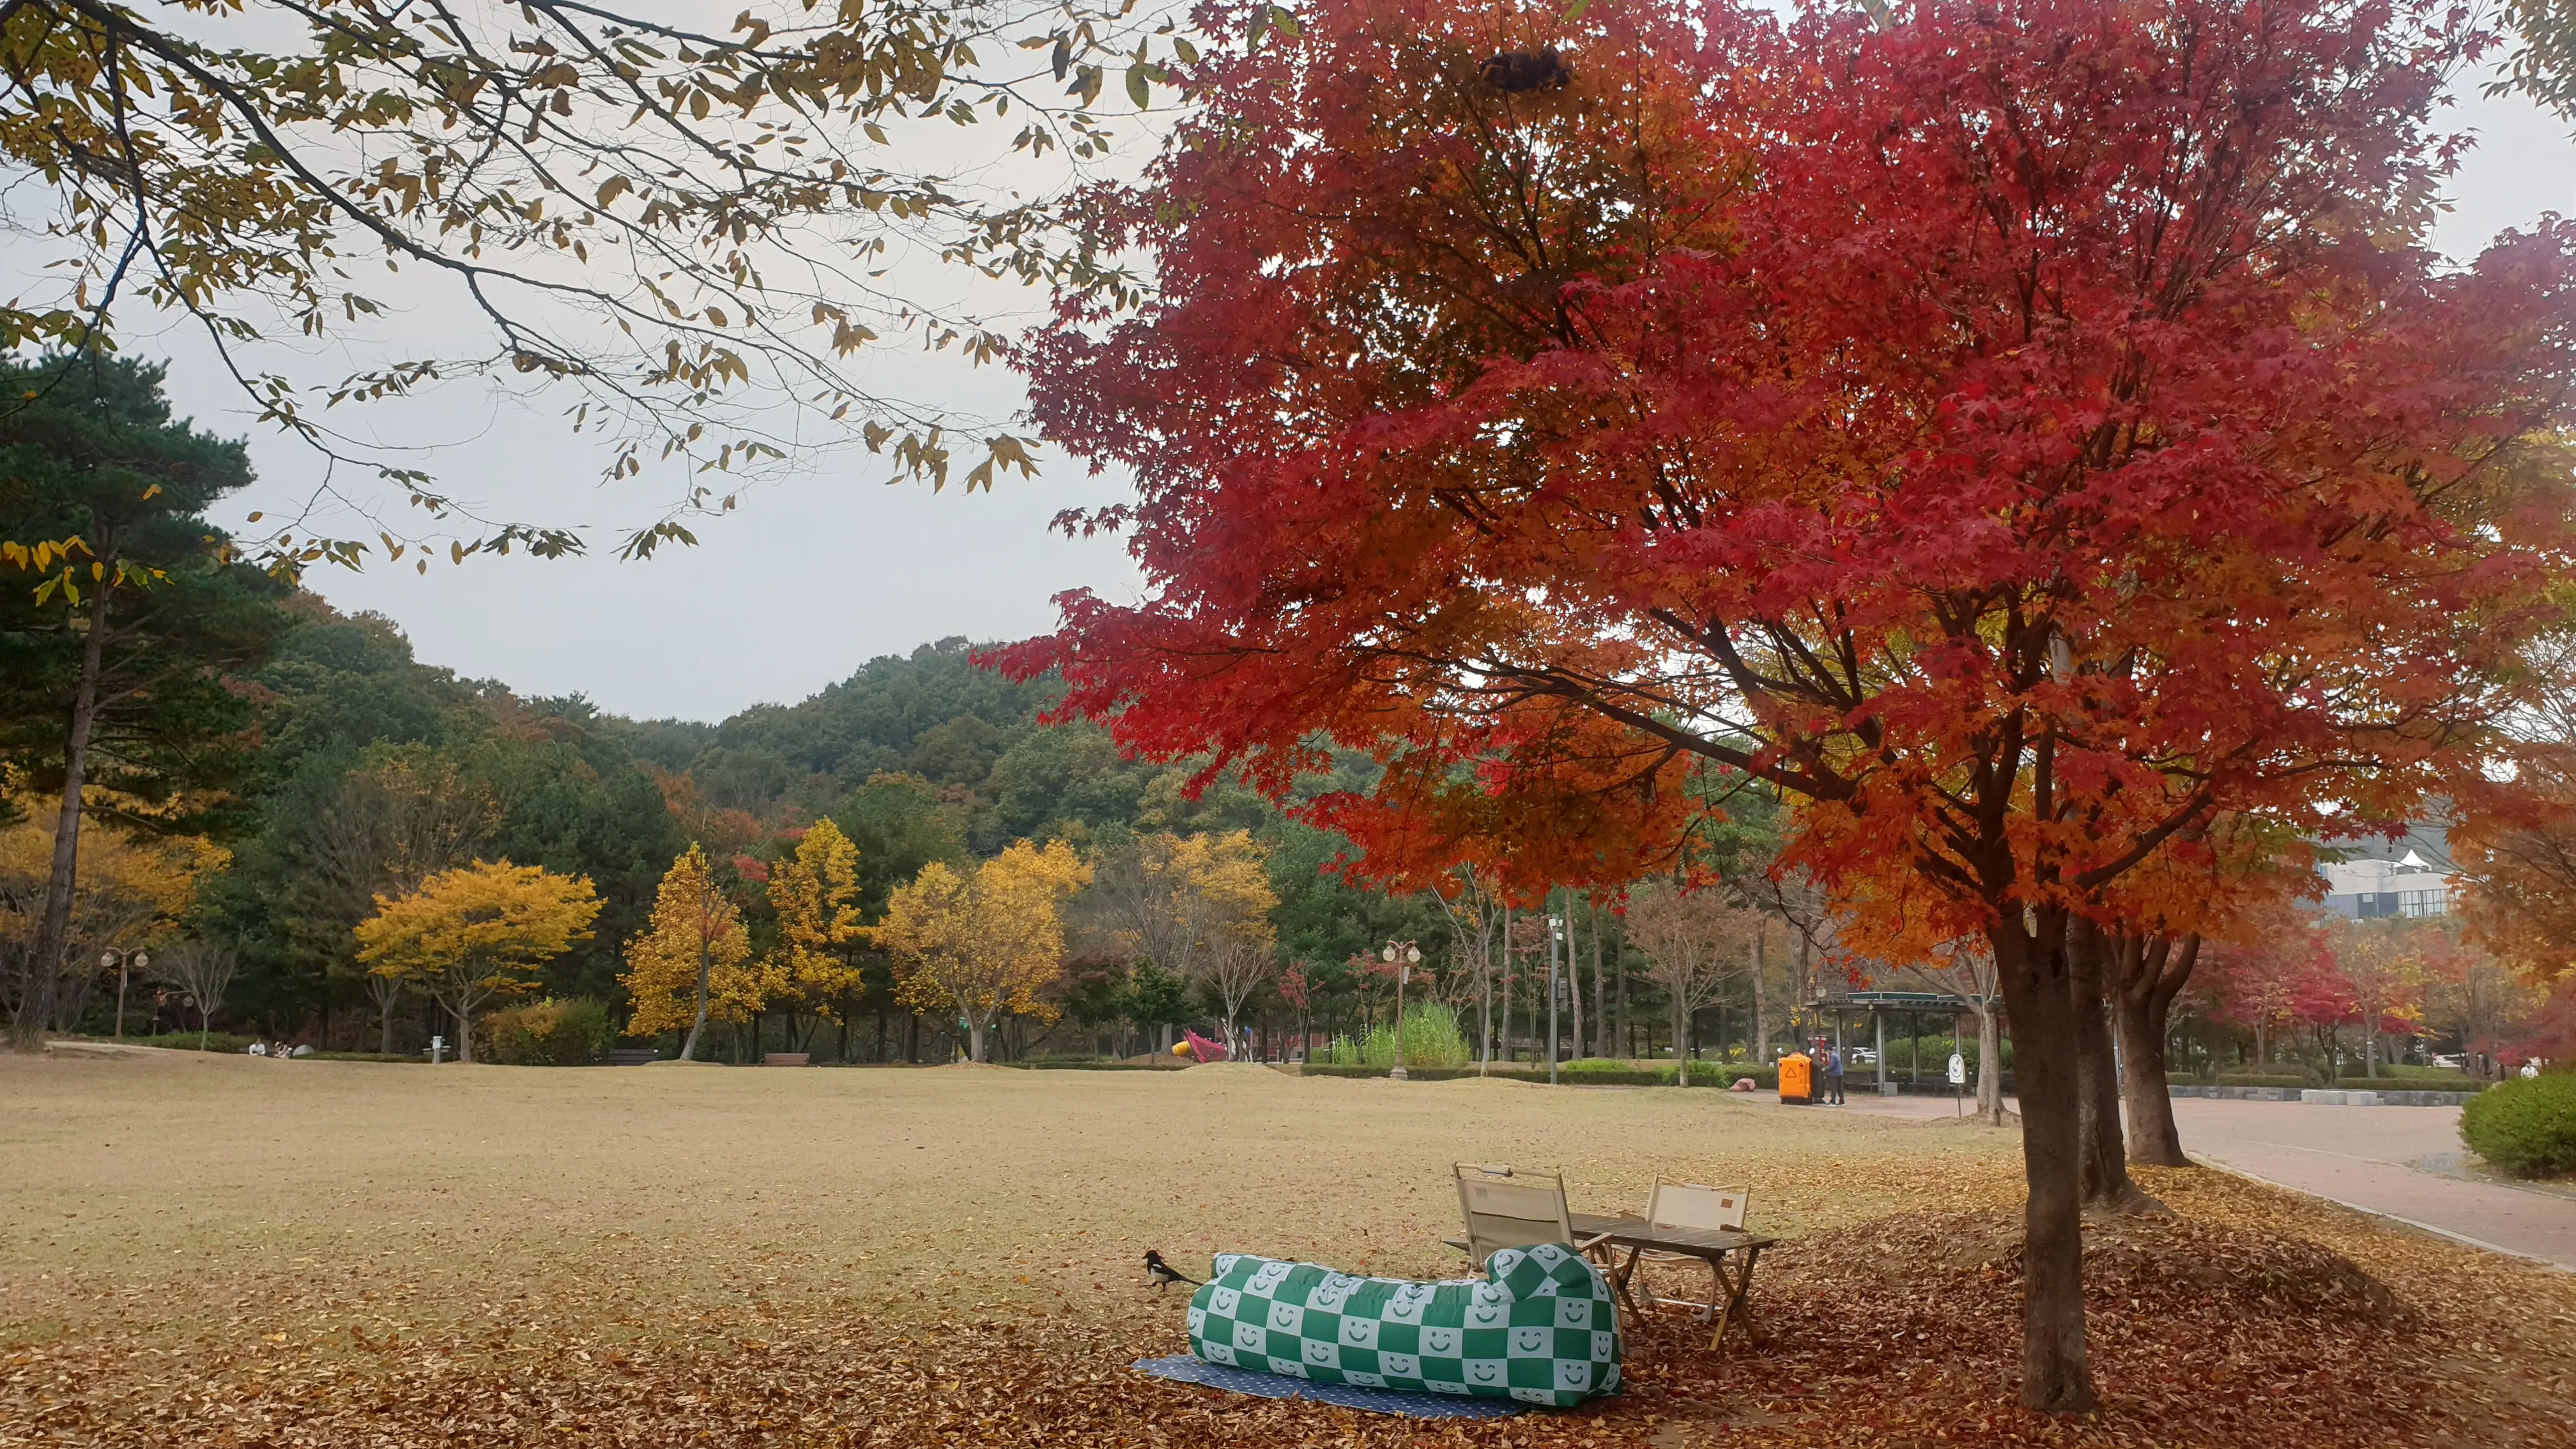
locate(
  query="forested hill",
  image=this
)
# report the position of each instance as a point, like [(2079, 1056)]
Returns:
[(917, 758), (972, 735)]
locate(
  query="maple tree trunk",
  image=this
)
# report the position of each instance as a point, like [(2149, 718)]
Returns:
[(2153, 1138), (53, 931), (2056, 1376), (1990, 1068), (2094, 959), (2144, 1006), (976, 1027)]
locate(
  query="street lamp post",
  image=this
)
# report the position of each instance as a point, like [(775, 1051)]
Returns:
[(1403, 956), (126, 962)]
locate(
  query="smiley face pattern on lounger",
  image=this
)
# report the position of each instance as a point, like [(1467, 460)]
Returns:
[(1539, 1328)]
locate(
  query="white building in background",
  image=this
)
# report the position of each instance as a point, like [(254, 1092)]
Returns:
[(2369, 889)]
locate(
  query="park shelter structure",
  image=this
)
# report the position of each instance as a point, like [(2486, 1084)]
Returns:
[(1842, 1008)]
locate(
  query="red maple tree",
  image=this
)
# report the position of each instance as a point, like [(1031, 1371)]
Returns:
[(2025, 433)]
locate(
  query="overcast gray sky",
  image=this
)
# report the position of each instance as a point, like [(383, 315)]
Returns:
[(812, 577)]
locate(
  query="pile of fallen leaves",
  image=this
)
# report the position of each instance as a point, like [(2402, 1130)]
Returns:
[(2248, 1317)]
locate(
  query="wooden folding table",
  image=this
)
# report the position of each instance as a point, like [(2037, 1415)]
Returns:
[(1713, 1246)]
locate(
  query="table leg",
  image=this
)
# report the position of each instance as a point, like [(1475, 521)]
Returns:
[(1619, 1280), (1736, 1307)]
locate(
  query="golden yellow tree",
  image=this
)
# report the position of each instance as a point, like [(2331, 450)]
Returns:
[(1196, 906), (692, 950), (1226, 908), (477, 932), (128, 890), (816, 894), (987, 943)]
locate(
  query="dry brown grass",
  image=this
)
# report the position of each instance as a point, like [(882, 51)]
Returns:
[(189, 1179), (214, 1250)]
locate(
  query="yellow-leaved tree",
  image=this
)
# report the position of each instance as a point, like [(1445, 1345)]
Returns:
[(1227, 908), (477, 932), (693, 949), (985, 943), (128, 890), (1196, 906), (816, 894)]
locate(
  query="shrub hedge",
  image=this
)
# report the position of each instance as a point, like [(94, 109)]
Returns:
[(550, 1033), (1588, 1073), (186, 1041), (2525, 1127)]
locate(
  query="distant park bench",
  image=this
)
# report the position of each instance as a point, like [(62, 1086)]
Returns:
[(785, 1059), (633, 1056)]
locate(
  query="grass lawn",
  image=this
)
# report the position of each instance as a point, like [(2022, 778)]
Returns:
[(213, 1250)]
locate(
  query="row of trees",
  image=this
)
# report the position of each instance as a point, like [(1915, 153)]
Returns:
[(970, 944), (2372, 992)]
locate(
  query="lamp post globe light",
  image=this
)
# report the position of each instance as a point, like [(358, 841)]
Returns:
[(1403, 956), (125, 963)]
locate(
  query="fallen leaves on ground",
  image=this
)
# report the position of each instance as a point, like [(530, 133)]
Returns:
[(2250, 1317)]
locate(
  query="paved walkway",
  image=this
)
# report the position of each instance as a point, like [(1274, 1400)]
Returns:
[(2398, 1162)]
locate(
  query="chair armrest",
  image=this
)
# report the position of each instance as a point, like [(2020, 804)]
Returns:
[(1596, 1240)]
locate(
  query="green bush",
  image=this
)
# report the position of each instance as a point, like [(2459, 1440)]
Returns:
[(1936, 1056), (1607, 1072), (2525, 1127), (1587, 1073), (550, 1033), (1431, 1040), (1420, 1074), (2433, 1078)]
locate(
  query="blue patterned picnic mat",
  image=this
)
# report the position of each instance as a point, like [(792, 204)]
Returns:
[(1190, 1370)]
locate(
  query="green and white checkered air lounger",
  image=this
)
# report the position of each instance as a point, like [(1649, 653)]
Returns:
[(1540, 1327)]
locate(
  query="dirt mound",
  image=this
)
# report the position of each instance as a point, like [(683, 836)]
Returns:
[(2146, 1263)]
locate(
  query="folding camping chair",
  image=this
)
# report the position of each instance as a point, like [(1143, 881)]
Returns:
[(1694, 1206), (1505, 1209)]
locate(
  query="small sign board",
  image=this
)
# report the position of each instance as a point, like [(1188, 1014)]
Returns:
[(1958, 1070)]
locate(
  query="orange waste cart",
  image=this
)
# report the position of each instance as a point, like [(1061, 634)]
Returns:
[(1797, 1079)]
